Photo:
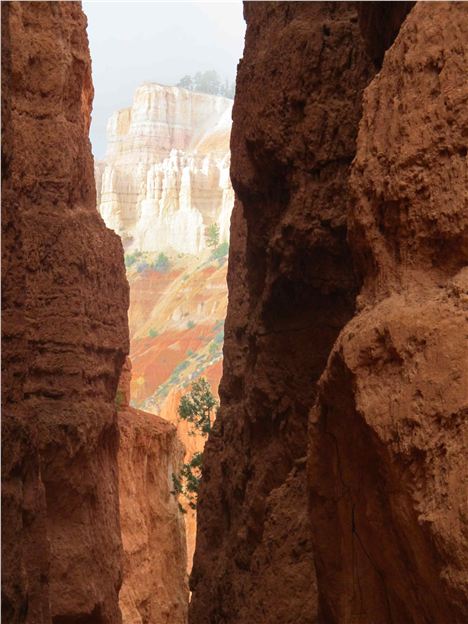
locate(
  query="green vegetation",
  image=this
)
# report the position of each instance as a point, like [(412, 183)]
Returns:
[(187, 481), (212, 236), (130, 259), (221, 251), (162, 264), (207, 82), (180, 368), (142, 261), (153, 333), (196, 408), (190, 325)]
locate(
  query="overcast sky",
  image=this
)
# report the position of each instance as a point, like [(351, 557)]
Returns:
[(135, 42)]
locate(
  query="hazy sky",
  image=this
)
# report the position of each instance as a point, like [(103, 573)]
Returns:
[(135, 42)]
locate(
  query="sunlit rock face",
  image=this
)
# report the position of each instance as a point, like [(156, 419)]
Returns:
[(165, 177), (154, 585), (164, 180)]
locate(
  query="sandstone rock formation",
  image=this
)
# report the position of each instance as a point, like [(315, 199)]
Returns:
[(291, 290), (383, 373), (165, 177), (164, 180), (389, 437), (176, 321), (64, 333), (154, 588)]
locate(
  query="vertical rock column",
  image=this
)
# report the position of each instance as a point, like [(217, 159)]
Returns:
[(65, 335), (291, 290), (387, 462), (154, 588)]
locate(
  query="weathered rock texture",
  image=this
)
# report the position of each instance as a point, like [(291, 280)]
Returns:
[(388, 470), (291, 290), (165, 177), (65, 334), (154, 588)]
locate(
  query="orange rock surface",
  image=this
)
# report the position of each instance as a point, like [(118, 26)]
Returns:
[(291, 290), (154, 586), (389, 437), (64, 331)]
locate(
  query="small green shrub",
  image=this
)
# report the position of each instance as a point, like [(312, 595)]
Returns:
[(221, 251), (153, 333), (162, 264), (187, 482), (212, 236)]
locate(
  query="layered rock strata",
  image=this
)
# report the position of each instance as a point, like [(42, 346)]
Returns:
[(388, 439), (291, 291), (154, 588), (64, 332), (165, 176), (164, 181)]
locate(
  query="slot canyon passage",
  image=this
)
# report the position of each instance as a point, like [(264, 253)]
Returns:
[(334, 484)]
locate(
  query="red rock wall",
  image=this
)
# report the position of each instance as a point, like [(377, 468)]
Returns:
[(291, 290), (65, 333), (154, 588), (388, 440)]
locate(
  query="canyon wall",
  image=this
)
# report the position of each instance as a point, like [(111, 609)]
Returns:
[(154, 585), (165, 176), (388, 438), (291, 290), (346, 324), (64, 333)]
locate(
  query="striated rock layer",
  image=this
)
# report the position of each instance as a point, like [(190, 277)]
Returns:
[(154, 588), (291, 291), (164, 180), (64, 333), (388, 439), (165, 177)]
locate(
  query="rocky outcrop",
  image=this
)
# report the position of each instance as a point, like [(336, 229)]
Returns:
[(165, 177), (64, 332), (154, 588), (388, 439), (291, 291)]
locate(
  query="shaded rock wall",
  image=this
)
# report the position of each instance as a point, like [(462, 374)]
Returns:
[(388, 440), (291, 290), (64, 333), (154, 588)]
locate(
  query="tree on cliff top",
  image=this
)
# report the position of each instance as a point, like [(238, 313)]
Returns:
[(207, 82), (197, 406)]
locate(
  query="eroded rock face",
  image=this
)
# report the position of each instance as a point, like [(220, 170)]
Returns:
[(388, 440), (165, 177), (291, 290), (154, 588), (64, 333)]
